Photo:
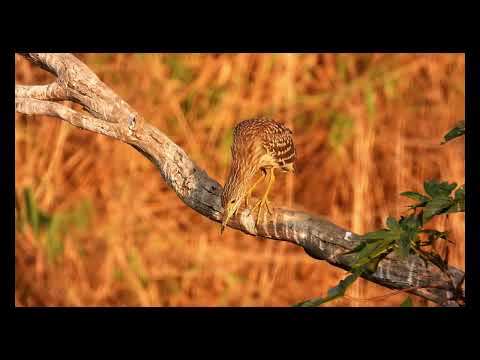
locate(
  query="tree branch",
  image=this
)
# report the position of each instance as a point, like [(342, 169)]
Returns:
[(111, 116), (52, 91)]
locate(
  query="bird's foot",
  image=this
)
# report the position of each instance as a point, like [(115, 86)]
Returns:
[(261, 204)]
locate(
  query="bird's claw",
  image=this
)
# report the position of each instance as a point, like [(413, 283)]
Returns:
[(263, 203)]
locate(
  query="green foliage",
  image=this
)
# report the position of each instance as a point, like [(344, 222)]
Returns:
[(457, 131), (407, 302), (334, 292), (439, 201), (50, 229), (416, 196), (403, 235), (399, 236)]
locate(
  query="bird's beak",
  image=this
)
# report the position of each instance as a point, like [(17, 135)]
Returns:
[(224, 222), (229, 212)]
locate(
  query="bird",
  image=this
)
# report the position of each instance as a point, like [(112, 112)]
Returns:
[(260, 144)]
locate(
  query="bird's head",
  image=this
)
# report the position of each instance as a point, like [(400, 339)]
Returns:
[(232, 196)]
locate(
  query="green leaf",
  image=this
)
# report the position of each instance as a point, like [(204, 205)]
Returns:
[(415, 196), (419, 205), (457, 131), (373, 251), (430, 187), (411, 222), (404, 244), (460, 193), (435, 188), (333, 293), (457, 206), (375, 235), (344, 284), (366, 252), (393, 224), (356, 248), (446, 188), (459, 201), (383, 247), (407, 302), (436, 206)]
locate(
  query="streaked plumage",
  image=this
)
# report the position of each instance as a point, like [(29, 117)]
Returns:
[(258, 144)]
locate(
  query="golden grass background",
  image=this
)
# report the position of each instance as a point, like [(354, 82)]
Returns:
[(366, 126)]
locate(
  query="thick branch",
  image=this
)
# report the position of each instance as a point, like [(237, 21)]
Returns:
[(113, 117)]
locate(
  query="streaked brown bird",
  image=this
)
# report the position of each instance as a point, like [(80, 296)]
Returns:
[(259, 144)]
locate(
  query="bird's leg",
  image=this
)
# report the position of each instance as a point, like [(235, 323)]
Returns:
[(264, 200), (270, 183), (249, 192)]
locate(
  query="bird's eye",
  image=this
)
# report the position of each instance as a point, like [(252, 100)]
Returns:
[(233, 201)]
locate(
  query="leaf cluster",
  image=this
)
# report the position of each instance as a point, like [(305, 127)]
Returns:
[(404, 235), (438, 199)]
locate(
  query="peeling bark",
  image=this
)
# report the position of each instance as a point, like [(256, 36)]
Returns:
[(109, 115)]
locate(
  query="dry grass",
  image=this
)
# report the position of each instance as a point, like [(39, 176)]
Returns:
[(367, 127)]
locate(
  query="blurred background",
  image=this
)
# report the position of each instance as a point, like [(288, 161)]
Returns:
[(97, 225)]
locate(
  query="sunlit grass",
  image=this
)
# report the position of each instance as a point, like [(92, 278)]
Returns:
[(364, 125)]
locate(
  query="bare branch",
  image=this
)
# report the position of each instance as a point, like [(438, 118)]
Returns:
[(113, 117), (52, 91), (82, 121)]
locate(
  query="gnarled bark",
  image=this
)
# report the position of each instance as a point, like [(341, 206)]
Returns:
[(109, 115)]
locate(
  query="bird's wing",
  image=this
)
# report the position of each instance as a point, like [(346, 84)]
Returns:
[(278, 142)]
